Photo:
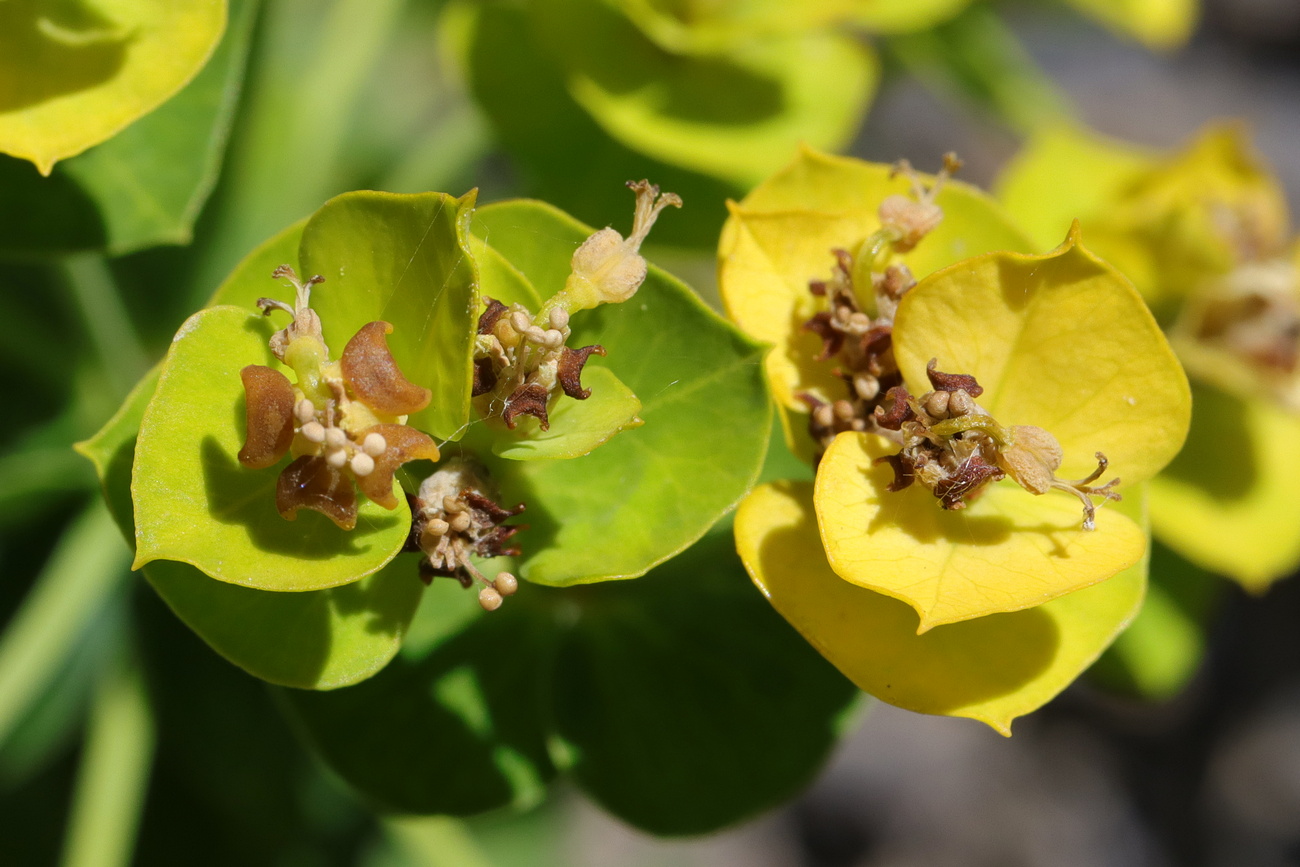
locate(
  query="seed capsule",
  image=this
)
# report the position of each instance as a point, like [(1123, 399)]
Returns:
[(505, 583)]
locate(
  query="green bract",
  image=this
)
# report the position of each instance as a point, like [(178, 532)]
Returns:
[(322, 607), (630, 687), (77, 74), (702, 400), (145, 185)]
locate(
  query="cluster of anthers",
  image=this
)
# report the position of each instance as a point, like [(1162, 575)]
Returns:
[(453, 517), (521, 360), (861, 343), (953, 447), (343, 421)]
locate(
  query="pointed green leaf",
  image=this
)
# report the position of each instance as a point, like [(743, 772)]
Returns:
[(991, 669), (648, 493), (196, 504), (403, 259), (78, 74)]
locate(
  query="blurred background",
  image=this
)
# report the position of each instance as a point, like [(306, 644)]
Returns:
[(352, 95)]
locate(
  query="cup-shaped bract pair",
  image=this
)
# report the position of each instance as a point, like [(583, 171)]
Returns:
[(978, 589), (245, 425), (1203, 231)]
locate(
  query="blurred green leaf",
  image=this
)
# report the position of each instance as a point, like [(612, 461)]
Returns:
[(648, 493), (453, 727), (1161, 24), (905, 16), (562, 155), (1156, 657), (978, 60), (736, 115), (681, 702), (78, 74), (684, 703), (146, 185)]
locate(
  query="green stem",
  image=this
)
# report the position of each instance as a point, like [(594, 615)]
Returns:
[(85, 567), (106, 320), (436, 841), (114, 774)]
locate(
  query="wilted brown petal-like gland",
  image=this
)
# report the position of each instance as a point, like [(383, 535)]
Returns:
[(372, 374), (311, 483), (269, 415), (404, 444)]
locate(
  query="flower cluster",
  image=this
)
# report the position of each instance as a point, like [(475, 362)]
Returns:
[(453, 517), (343, 421), (892, 562), (521, 360)]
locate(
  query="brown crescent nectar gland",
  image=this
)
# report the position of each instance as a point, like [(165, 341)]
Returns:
[(342, 421), (954, 448), (454, 518)]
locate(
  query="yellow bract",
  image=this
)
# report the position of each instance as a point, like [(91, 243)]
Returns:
[(1008, 550), (74, 74), (1166, 222), (1229, 500), (1061, 341), (782, 234), (1155, 23), (993, 669)]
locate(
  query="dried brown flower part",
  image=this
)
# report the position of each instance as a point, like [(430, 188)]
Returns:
[(569, 370), (528, 399), (952, 446), (373, 376), (269, 415), (456, 517), (311, 483), (522, 363), (343, 421), (909, 219), (402, 445)]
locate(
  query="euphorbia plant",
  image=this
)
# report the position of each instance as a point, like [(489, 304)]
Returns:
[(928, 580), (484, 328)]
